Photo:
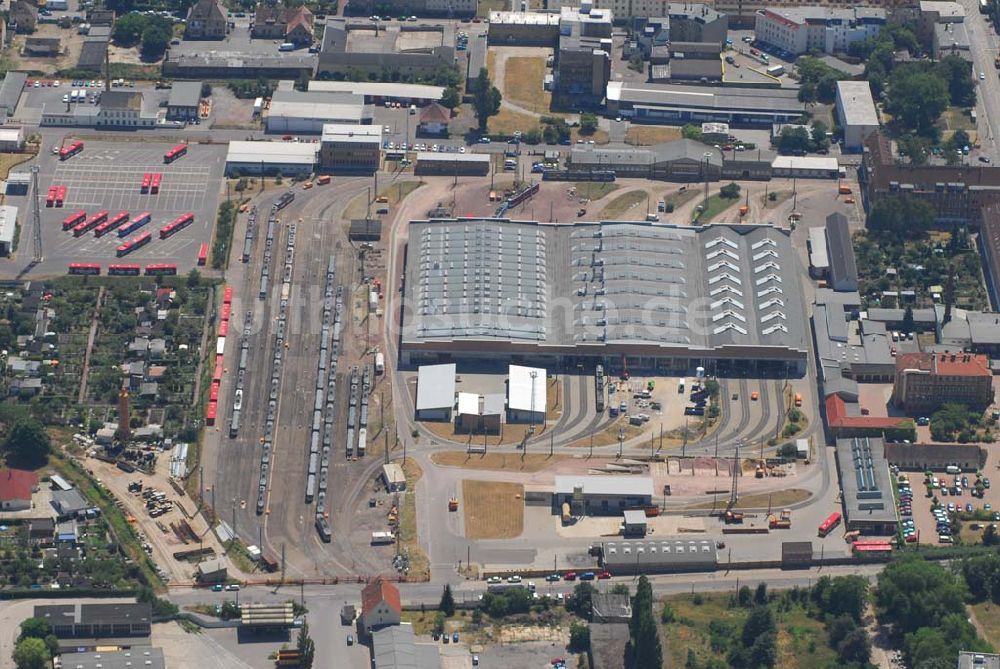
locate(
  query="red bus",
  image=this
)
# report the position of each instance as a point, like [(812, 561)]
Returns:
[(211, 412), (217, 375), (90, 223), (50, 199), (203, 254), (178, 224), (831, 522), (136, 223), (223, 328), (71, 220), (112, 223), (68, 152), (84, 268), (131, 245), (160, 269), (175, 153), (124, 270), (226, 311), (60, 195), (227, 295), (146, 178), (154, 186), (213, 395)]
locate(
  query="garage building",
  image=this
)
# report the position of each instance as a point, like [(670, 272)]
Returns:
[(308, 113), (452, 164), (869, 503), (270, 158), (8, 224), (660, 556), (602, 495), (526, 394), (435, 392)]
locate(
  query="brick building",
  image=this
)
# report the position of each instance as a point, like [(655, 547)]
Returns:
[(925, 381)]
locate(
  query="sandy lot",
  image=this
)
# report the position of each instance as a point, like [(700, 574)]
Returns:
[(493, 510)]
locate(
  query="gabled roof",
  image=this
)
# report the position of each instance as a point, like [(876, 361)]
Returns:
[(380, 590), (434, 113), (205, 10), (16, 484)]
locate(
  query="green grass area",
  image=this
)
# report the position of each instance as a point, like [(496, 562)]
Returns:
[(595, 190), (523, 84), (627, 206), (679, 198), (987, 614), (956, 118), (716, 205), (709, 627)]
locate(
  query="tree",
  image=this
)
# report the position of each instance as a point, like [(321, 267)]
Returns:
[(306, 646), (128, 29), (588, 123), (730, 191), (982, 575), (447, 605), (915, 148), (532, 136), (579, 637), (904, 218), (32, 653), (819, 139), (758, 623), (744, 596), (582, 597), (949, 294), (35, 628), (855, 647), (760, 594), (193, 278), (485, 99), (691, 131), (28, 443), (961, 86), (948, 422), (914, 593), (451, 98), (917, 99), (990, 536), (795, 141), (155, 38), (641, 603), (646, 643), (908, 325)]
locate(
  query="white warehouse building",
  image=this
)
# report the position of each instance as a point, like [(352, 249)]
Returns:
[(526, 395), (298, 112), (285, 158), (856, 112)]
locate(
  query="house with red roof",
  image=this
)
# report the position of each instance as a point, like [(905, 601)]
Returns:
[(433, 120), (925, 381), (380, 605), (843, 420), (16, 487)]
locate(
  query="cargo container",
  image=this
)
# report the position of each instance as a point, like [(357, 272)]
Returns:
[(383, 538)]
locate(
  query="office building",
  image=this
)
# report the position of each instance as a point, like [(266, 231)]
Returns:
[(800, 30), (868, 499), (925, 381), (856, 113), (350, 148)]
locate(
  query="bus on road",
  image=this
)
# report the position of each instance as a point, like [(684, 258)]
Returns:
[(832, 521)]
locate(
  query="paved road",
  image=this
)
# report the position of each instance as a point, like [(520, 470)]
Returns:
[(984, 45)]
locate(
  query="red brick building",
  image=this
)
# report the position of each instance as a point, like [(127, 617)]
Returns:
[(925, 381)]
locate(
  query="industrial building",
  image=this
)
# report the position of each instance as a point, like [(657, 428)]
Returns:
[(602, 495), (971, 660), (679, 104), (806, 167), (11, 138), (227, 65), (819, 260), (452, 164), (608, 607), (396, 647), (295, 112), (683, 160), (868, 499), (412, 49), (523, 28), (800, 30), (393, 477), (212, 571), (527, 395), (8, 228), (583, 55), (97, 620), (136, 657), (480, 414), (660, 556), (935, 457), (443, 8), (270, 158), (184, 100), (376, 92), (350, 148), (924, 381), (435, 392), (664, 296), (843, 265), (856, 113), (10, 92)]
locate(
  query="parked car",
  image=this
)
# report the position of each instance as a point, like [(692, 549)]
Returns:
[(587, 576)]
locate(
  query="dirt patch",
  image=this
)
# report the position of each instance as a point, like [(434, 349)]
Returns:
[(651, 134), (523, 84), (70, 43), (419, 564), (493, 510), (393, 194), (11, 160), (777, 500), (627, 205), (510, 433), (530, 463)]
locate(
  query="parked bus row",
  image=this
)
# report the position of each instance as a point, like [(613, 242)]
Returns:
[(152, 269), (56, 196), (212, 411), (150, 183)]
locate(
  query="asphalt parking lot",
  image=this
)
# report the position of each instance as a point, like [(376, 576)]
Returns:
[(107, 176)]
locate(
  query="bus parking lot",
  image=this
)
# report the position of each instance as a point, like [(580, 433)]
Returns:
[(107, 176)]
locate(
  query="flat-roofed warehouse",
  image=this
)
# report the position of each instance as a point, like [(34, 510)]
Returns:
[(136, 657), (663, 555), (350, 148), (526, 394), (271, 158), (435, 392), (856, 112), (602, 495), (298, 112), (452, 164), (869, 503), (677, 104), (664, 296), (379, 92)]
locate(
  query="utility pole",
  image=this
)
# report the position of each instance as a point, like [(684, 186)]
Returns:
[(591, 445), (552, 440), (282, 562), (621, 441)]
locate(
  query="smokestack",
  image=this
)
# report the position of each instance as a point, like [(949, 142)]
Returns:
[(123, 433)]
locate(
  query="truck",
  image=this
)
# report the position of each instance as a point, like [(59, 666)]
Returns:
[(453, 504), (258, 106), (733, 517), (382, 538), (379, 363), (680, 387), (776, 70), (567, 517)]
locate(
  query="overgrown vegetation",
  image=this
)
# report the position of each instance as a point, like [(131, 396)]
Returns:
[(956, 422), (152, 33), (248, 89), (223, 240)]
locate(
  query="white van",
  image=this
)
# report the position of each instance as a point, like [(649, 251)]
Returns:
[(510, 164), (287, 46), (413, 109), (953, 469)]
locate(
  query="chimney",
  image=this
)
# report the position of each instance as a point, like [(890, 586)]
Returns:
[(123, 432)]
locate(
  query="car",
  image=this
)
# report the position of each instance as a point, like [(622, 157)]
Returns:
[(984, 159), (233, 587), (454, 637), (849, 200), (445, 639), (514, 579), (951, 507), (923, 420), (604, 575), (350, 639), (987, 507), (552, 578), (982, 76), (968, 507), (494, 579), (986, 483), (217, 587), (588, 576), (571, 575), (557, 661), (755, 396), (475, 660)]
